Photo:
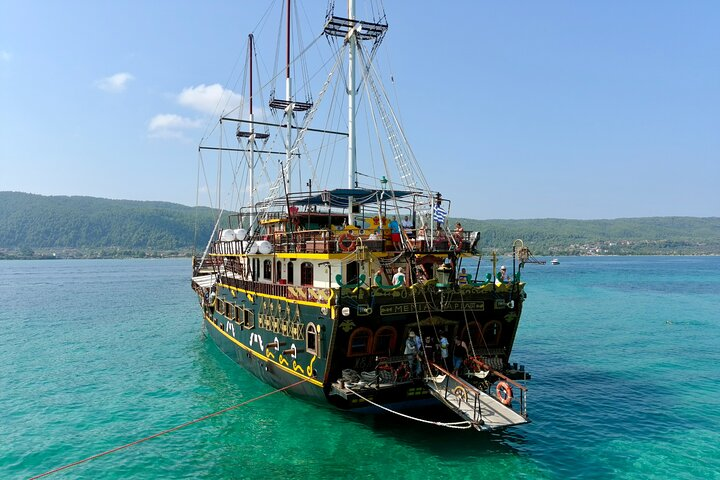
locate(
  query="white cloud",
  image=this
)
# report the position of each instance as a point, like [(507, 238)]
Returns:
[(115, 83), (209, 98), (169, 125), (5, 56)]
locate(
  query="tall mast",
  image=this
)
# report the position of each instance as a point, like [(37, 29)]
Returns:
[(251, 166), (352, 154), (251, 135), (289, 108)]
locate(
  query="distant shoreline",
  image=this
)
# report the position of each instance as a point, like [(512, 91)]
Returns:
[(160, 256)]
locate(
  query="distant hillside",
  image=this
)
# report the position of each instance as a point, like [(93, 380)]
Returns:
[(98, 227), (33, 226), (622, 236)]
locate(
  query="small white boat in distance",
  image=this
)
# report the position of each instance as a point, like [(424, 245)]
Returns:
[(555, 261)]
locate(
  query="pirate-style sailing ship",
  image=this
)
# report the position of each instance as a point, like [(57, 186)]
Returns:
[(328, 286)]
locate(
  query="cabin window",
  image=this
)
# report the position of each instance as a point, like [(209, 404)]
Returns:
[(384, 341), (311, 339), (306, 273), (291, 273), (239, 314), (491, 332), (267, 269), (249, 319), (360, 342), (230, 311), (221, 307), (278, 271)]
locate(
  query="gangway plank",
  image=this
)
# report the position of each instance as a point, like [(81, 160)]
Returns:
[(483, 411)]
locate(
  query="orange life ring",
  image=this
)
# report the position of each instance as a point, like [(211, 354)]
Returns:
[(504, 393), (346, 242)]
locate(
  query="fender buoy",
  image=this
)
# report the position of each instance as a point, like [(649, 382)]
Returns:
[(346, 242), (504, 393)]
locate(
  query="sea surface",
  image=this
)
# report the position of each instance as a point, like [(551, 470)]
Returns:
[(94, 354)]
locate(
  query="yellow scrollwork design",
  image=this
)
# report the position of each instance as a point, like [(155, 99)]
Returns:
[(309, 370)]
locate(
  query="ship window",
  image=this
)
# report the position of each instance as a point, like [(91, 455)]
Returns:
[(306, 273), (360, 342), (491, 332), (221, 307), (249, 319), (239, 314), (267, 269), (311, 339), (230, 311), (384, 341), (278, 271), (291, 273)]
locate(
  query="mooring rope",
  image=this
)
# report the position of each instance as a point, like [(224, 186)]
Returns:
[(464, 424), (98, 455)]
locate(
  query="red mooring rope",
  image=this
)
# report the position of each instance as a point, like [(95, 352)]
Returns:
[(50, 472)]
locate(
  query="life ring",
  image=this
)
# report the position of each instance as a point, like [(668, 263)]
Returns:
[(504, 393), (346, 242)]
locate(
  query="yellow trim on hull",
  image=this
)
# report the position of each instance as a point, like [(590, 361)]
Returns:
[(263, 357), (276, 297)]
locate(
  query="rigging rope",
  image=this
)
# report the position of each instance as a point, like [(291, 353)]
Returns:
[(170, 430)]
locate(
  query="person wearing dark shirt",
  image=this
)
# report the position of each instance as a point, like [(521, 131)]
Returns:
[(459, 355)]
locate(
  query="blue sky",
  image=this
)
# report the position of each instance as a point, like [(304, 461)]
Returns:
[(524, 109)]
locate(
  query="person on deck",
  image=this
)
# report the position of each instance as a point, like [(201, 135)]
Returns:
[(395, 233), (407, 226), (444, 350), (399, 277), (458, 233), (463, 277), (429, 349), (504, 277), (459, 354), (421, 238), (411, 352)]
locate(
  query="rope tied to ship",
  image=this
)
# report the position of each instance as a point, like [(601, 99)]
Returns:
[(457, 425), (169, 430)]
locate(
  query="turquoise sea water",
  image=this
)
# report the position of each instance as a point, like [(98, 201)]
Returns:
[(624, 352)]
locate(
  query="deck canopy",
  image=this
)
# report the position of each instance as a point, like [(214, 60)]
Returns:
[(361, 196)]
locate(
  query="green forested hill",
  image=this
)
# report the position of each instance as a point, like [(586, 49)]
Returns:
[(36, 225), (622, 236), (97, 226)]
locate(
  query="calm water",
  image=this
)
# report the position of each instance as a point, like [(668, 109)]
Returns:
[(625, 355)]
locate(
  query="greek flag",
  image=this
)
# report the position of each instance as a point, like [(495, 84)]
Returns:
[(439, 214)]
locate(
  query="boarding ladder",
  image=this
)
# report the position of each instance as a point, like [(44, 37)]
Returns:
[(482, 410)]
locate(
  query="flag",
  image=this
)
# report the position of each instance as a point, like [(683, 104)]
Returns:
[(439, 214)]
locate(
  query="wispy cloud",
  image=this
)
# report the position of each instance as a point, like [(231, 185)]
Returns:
[(169, 125), (209, 98), (5, 56), (201, 98), (115, 83)]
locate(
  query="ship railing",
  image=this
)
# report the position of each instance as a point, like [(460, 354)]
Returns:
[(455, 388), (479, 366), (273, 289), (207, 264), (305, 241), (294, 292)]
